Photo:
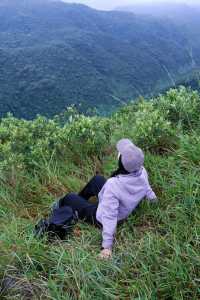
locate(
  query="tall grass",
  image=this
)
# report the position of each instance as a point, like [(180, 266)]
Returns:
[(156, 254)]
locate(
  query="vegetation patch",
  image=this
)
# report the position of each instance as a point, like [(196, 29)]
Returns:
[(156, 254)]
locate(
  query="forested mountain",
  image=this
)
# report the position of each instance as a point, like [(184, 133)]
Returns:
[(53, 54), (185, 17), (192, 82)]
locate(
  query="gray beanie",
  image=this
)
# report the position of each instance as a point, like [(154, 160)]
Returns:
[(132, 157)]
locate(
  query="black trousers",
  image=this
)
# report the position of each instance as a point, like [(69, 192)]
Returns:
[(79, 202)]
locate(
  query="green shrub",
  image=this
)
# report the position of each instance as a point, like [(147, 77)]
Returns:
[(27, 142), (146, 126), (181, 107), (88, 136), (30, 143)]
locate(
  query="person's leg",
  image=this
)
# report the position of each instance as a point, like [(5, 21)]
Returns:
[(93, 187), (85, 210)]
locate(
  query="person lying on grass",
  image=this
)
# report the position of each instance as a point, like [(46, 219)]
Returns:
[(117, 197)]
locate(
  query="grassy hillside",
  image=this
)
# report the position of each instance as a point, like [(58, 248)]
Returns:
[(53, 54), (156, 255)]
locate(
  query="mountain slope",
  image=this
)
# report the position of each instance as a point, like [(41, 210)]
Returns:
[(54, 54), (185, 16)]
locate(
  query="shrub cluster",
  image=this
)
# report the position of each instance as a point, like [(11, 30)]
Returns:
[(155, 125), (146, 125), (29, 143), (181, 107)]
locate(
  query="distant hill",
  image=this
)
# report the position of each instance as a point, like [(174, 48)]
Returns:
[(156, 9), (192, 81), (185, 17), (53, 54)]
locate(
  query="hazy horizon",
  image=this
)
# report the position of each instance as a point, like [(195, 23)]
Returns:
[(103, 4)]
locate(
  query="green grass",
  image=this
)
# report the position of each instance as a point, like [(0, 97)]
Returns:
[(156, 254)]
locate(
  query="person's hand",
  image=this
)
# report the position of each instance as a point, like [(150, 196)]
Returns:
[(105, 254)]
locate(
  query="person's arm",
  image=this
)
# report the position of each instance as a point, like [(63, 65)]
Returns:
[(150, 195), (110, 205)]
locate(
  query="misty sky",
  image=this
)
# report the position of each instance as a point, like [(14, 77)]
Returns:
[(110, 4)]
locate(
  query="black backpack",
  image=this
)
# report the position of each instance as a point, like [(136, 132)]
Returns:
[(58, 225)]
